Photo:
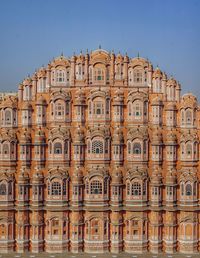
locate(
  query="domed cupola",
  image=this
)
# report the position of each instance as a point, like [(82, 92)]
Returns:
[(157, 73), (79, 137), (25, 137), (156, 177), (118, 137), (77, 176), (40, 136), (117, 177), (171, 138), (157, 138), (41, 101), (38, 177), (171, 178)]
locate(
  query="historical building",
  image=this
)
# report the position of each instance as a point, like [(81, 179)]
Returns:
[(99, 153)]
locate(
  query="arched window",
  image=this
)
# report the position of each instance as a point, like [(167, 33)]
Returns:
[(55, 226), (189, 150), (137, 75), (5, 149), (137, 109), (68, 75), (56, 188), (182, 116), (137, 148), (95, 227), (136, 189), (99, 74), (7, 117), (99, 108), (60, 75), (9, 188), (57, 148), (188, 189), (129, 148), (97, 147), (96, 187), (188, 117), (59, 110), (2, 189)]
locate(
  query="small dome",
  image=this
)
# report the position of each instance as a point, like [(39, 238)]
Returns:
[(77, 177), (41, 101), (156, 178), (80, 97), (126, 58), (26, 106), (40, 136), (25, 137), (116, 217), (79, 136), (171, 106), (117, 176), (23, 177), (27, 81), (37, 177), (171, 138), (164, 76), (157, 73), (118, 136), (157, 138), (171, 178), (171, 82), (157, 101), (20, 87)]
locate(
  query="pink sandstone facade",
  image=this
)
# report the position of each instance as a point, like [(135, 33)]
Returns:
[(99, 153)]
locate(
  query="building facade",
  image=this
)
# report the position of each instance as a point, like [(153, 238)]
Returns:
[(99, 153)]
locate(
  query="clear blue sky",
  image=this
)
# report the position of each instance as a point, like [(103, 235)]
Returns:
[(32, 32)]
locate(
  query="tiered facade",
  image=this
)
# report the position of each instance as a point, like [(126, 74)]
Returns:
[(99, 153)]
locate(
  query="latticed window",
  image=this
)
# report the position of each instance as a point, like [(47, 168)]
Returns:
[(170, 190), (68, 75), (128, 188), (59, 110), (129, 148), (75, 190), (64, 187), (115, 190), (57, 148), (137, 148), (5, 148), (98, 108), (136, 189), (8, 117), (56, 188), (155, 190), (95, 227), (2, 189), (60, 76), (97, 147), (99, 74), (137, 76), (96, 187), (188, 117), (49, 188), (189, 150), (9, 188), (188, 189), (137, 109)]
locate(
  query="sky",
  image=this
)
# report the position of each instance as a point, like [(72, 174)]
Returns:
[(33, 32)]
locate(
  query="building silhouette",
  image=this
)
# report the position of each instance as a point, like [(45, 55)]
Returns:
[(99, 153)]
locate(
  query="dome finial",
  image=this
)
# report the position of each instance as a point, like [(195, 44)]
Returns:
[(99, 46), (138, 55)]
